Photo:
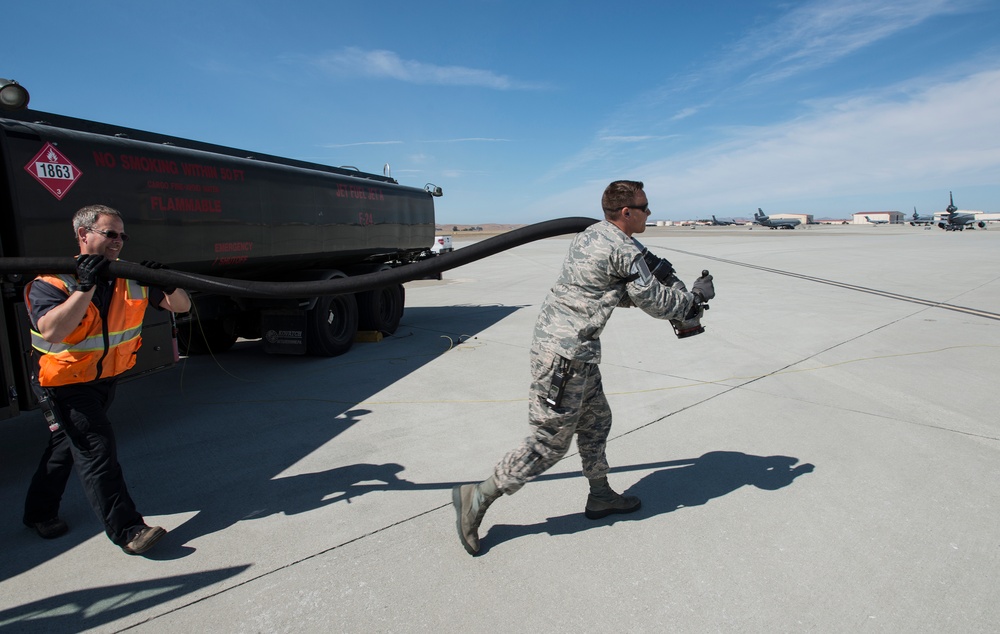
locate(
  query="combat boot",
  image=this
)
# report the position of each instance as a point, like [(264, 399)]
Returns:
[(471, 502), (603, 501)]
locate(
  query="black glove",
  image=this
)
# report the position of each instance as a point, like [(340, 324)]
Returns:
[(154, 265), (88, 268), (703, 287), (660, 268)]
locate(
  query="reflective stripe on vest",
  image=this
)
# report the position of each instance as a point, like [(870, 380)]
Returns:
[(93, 343)]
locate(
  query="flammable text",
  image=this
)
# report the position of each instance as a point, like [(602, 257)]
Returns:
[(201, 205)]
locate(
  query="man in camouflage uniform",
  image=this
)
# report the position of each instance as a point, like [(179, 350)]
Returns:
[(604, 269)]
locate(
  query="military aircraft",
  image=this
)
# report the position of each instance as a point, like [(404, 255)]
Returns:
[(921, 220), (955, 221), (722, 223), (877, 222), (764, 220)]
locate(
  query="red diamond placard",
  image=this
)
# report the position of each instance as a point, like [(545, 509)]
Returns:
[(53, 170)]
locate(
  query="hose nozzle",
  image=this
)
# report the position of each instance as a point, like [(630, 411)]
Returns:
[(691, 324)]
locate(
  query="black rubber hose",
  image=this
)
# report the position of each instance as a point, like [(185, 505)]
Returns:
[(338, 286)]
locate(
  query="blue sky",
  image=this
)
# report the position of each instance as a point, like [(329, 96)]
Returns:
[(524, 111)]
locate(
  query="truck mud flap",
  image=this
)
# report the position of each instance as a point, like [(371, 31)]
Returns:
[(284, 331)]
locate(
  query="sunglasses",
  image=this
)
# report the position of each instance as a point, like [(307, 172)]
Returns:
[(113, 235), (639, 207)]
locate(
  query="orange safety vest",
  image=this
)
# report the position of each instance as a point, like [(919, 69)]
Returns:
[(84, 353)]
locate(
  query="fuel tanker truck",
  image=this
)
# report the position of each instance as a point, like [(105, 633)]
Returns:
[(297, 254)]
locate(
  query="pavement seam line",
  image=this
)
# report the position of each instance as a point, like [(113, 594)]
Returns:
[(863, 289), (290, 564)]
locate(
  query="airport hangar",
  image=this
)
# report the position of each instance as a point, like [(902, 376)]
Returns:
[(806, 219), (894, 217)]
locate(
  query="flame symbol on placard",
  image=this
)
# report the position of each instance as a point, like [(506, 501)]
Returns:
[(52, 156)]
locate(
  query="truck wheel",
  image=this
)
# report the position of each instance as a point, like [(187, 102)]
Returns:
[(331, 325), (208, 336), (381, 309)]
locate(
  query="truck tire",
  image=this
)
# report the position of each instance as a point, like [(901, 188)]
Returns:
[(381, 309), (205, 337), (331, 325)]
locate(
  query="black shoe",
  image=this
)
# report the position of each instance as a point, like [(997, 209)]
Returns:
[(604, 506), (50, 528), (144, 539)]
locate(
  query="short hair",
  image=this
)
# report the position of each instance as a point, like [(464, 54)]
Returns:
[(618, 195), (87, 216)]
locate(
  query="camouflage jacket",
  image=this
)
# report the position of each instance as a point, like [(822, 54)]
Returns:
[(593, 282)]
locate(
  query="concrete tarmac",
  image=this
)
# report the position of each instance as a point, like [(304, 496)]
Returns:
[(824, 458)]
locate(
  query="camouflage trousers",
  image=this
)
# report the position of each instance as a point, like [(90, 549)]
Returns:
[(583, 411)]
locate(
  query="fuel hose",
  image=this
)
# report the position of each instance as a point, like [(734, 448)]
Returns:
[(290, 290)]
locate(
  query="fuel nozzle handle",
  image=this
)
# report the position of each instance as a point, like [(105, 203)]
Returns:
[(690, 325), (703, 288)]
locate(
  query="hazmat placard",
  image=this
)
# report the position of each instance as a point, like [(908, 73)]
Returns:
[(53, 170)]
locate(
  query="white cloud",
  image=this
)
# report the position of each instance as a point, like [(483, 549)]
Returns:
[(820, 33), (933, 137), (684, 114), (809, 36), (353, 61), (860, 145)]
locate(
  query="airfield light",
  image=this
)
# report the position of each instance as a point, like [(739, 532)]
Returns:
[(13, 95)]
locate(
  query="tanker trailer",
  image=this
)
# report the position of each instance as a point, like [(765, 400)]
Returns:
[(209, 209)]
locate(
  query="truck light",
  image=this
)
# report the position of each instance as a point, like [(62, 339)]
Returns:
[(13, 95)]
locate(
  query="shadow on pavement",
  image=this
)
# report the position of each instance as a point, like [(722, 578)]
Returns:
[(676, 484), (213, 436), (85, 609)]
